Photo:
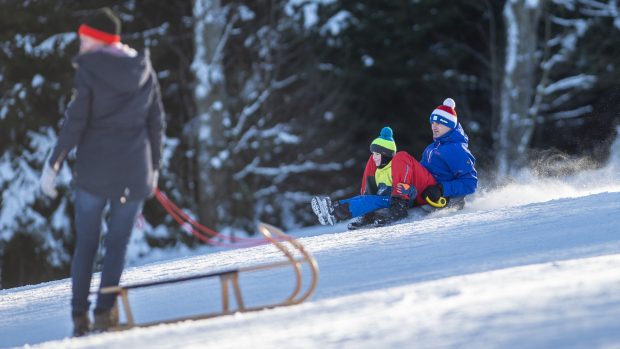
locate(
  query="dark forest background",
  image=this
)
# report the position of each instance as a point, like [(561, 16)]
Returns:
[(271, 102)]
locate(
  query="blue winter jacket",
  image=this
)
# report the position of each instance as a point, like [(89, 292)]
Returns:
[(448, 159)]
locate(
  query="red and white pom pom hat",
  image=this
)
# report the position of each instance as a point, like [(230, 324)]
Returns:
[(445, 114)]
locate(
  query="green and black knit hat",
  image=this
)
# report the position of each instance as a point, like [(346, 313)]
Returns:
[(384, 144)]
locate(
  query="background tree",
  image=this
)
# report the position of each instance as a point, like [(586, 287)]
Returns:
[(549, 75), (262, 135), (38, 40), (399, 60), (579, 82), (271, 102), (515, 126)]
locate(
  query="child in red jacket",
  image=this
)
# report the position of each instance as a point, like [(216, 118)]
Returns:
[(384, 168)]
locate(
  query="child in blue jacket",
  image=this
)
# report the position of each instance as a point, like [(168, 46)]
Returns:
[(448, 159)]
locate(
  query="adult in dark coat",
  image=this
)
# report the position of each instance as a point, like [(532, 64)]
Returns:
[(116, 122)]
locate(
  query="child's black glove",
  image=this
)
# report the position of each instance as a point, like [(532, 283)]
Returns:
[(434, 196)]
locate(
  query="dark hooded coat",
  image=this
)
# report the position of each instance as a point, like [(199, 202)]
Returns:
[(116, 120)]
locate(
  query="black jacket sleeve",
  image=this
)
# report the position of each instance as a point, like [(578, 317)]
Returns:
[(75, 121)]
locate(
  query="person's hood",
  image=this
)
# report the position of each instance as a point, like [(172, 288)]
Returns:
[(120, 68), (457, 135)]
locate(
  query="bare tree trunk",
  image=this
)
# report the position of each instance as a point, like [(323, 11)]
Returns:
[(211, 31), (495, 65), (516, 124)]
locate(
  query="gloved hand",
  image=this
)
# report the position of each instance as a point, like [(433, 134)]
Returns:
[(396, 211), (155, 181), (383, 189), (406, 191), (434, 196), (48, 181)]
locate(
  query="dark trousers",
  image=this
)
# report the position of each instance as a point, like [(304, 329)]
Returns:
[(88, 218)]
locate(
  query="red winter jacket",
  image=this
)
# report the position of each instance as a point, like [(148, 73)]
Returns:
[(405, 169)]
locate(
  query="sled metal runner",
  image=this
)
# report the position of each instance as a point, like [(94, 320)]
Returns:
[(229, 280)]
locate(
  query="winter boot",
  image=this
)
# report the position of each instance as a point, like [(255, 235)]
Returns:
[(397, 211), (362, 221), (81, 324), (106, 319), (316, 208), (324, 210), (341, 211)]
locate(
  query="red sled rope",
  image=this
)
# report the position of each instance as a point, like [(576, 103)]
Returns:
[(202, 232)]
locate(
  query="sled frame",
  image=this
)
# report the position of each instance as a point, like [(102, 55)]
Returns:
[(229, 280)]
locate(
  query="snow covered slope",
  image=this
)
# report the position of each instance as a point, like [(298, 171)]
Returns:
[(540, 275), (535, 264)]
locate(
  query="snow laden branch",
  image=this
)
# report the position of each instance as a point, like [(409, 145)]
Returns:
[(19, 181), (207, 65), (29, 43), (292, 198), (565, 42), (248, 110), (149, 34), (593, 8), (252, 108), (279, 132), (570, 114), (579, 82), (541, 75), (599, 9), (282, 172), (566, 45)]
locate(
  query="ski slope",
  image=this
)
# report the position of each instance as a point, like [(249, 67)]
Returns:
[(541, 275), (535, 264)]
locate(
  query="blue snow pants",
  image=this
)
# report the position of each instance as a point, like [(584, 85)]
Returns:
[(363, 204), (88, 218)]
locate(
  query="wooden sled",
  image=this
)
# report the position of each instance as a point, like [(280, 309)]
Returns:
[(230, 278)]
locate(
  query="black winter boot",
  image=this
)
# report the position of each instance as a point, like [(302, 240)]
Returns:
[(397, 211), (341, 211), (106, 319), (362, 221), (81, 324)]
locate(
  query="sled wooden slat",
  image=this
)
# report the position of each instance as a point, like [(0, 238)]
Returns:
[(229, 280), (118, 289)]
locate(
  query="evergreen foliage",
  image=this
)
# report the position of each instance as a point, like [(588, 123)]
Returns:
[(264, 137), (289, 107), (38, 41)]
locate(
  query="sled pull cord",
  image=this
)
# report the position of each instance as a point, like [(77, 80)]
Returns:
[(202, 232)]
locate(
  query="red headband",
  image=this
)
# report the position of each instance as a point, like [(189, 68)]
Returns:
[(98, 34)]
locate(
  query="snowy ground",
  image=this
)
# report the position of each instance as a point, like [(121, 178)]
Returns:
[(532, 265), (541, 275)]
